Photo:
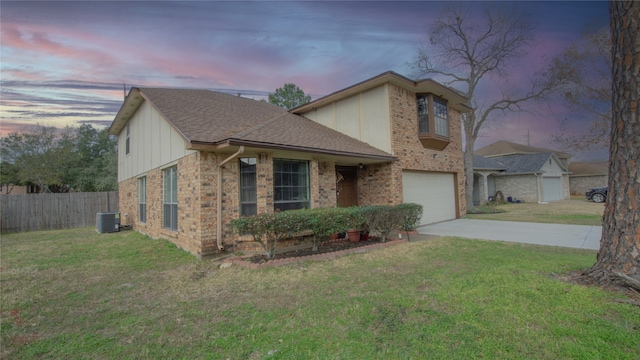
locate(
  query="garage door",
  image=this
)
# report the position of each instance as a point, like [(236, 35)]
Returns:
[(552, 187), (434, 191)]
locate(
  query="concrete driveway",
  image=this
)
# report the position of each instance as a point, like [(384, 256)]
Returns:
[(571, 236)]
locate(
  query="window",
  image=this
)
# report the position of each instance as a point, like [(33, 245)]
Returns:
[(142, 199), (440, 116), (248, 196), (290, 184), (170, 198), (433, 121), (127, 135)]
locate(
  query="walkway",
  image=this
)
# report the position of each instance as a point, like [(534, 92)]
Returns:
[(571, 236)]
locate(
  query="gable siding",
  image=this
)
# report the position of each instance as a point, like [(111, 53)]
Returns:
[(552, 169), (153, 143), (363, 116)]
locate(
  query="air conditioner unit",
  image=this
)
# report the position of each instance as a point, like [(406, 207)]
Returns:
[(108, 222)]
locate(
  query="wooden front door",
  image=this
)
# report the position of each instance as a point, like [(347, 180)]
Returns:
[(346, 185)]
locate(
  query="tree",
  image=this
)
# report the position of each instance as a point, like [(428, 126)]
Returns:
[(587, 93), (289, 96), (97, 160), (60, 160), (466, 50), (619, 255), (40, 157)]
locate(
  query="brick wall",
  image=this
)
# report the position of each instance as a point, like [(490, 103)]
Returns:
[(580, 184), (523, 187), (197, 174), (413, 156), (323, 184)]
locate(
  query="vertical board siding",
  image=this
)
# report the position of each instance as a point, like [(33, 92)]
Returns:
[(54, 211)]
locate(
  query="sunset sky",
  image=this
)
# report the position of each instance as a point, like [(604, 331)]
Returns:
[(65, 63)]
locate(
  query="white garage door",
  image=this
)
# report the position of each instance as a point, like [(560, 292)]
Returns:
[(552, 187), (434, 191)]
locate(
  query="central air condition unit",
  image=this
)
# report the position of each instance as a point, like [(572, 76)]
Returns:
[(108, 222)]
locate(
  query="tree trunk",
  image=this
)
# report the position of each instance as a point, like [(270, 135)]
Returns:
[(619, 253), (470, 142)]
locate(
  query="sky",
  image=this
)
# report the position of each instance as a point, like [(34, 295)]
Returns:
[(68, 63)]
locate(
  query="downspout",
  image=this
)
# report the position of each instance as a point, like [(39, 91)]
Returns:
[(219, 197)]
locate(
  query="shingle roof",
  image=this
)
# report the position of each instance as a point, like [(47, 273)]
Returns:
[(483, 163), (502, 148), (588, 168), (524, 164), (209, 117)]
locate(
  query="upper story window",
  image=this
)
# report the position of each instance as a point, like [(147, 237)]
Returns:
[(433, 121), (127, 136)]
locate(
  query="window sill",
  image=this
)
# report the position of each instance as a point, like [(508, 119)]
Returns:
[(434, 142)]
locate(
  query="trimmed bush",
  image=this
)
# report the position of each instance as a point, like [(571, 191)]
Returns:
[(382, 219), (324, 222), (412, 213), (267, 229)]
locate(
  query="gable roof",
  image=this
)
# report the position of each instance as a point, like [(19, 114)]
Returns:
[(482, 163), (527, 163), (456, 100), (502, 148), (588, 168), (207, 119)]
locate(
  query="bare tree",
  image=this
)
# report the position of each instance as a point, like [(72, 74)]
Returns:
[(468, 49), (619, 255), (587, 93)]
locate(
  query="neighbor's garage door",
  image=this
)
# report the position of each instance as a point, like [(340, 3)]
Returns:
[(434, 191), (552, 187)]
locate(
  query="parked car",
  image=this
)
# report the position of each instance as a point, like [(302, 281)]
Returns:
[(598, 195)]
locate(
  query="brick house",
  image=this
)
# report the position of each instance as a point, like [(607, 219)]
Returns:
[(520, 171), (189, 161), (588, 175)]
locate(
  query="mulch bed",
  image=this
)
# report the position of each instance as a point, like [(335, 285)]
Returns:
[(326, 250)]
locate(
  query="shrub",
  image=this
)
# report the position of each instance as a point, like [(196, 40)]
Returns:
[(412, 213), (267, 229), (382, 219), (324, 222)]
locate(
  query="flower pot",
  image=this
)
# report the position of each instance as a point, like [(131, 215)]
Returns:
[(354, 235)]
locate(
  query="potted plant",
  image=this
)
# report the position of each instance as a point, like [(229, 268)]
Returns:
[(355, 222)]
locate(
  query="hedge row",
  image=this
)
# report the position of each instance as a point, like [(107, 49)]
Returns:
[(269, 229)]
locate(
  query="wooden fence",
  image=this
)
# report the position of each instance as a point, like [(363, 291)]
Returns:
[(54, 211)]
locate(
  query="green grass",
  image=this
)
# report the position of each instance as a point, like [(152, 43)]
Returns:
[(77, 294), (576, 212)]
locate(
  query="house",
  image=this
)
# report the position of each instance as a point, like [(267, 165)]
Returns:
[(588, 175), (189, 161), (522, 172)]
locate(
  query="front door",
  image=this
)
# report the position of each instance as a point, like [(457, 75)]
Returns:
[(346, 186)]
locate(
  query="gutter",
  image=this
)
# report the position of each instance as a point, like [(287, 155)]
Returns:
[(219, 197)]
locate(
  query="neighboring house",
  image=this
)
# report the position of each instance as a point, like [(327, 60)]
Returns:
[(8, 189), (588, 175), (525, 173), (189, 161)]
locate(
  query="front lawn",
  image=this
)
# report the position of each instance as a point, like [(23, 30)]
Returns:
[(576, 212), (76, 294)]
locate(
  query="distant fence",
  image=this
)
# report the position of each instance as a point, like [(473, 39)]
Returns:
[(54, 211)]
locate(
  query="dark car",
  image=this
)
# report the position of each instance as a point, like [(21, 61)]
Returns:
[(597, 194)]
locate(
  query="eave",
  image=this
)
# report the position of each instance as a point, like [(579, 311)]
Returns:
[(455, 100)]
